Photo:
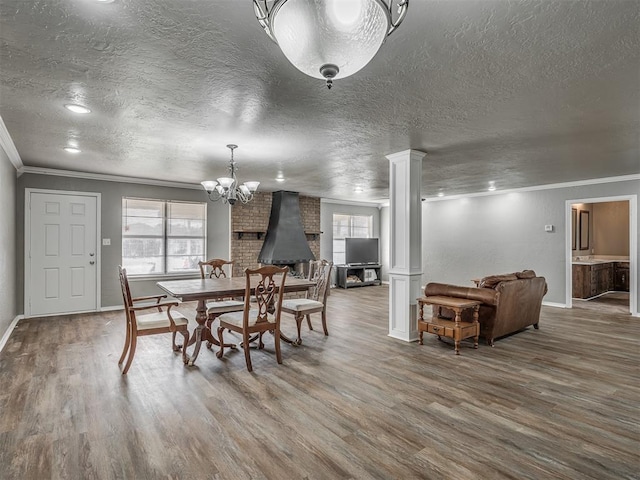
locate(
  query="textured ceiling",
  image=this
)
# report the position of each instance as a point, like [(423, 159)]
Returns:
[(520, 92)]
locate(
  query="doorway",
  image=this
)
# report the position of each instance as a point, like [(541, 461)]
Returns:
[(601, 246), (62, 256)]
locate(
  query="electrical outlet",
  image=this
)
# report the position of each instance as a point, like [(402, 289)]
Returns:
[(106, 241)]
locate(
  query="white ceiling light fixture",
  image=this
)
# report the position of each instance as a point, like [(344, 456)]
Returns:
[(72, 149), (329, 39), (492, 186), (75, 108), (227, 188)]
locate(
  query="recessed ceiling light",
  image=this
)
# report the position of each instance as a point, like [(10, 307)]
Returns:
[(358, 190), (104, 1), (441, 194), (72, 149), (492, 186), (75, 108), (279, 179)]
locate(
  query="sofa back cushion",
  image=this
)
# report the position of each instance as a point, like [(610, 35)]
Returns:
[(493, 280), (484, 295), (526, 274)]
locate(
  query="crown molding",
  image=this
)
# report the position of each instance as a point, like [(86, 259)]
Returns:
[(6, 143), (106, 178), (550, 186), (354, 203)]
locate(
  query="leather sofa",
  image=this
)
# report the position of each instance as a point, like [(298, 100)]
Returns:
[(510, 302)]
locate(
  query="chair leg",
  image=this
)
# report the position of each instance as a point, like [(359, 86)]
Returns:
[(299, 318), (220, 352), (324, 322), (132, 352), (127, 340), (185, 334), (176, 348), (276, 341), (309, 322), (247, 350)]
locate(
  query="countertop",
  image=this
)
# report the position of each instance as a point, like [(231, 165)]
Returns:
[(597, 260)]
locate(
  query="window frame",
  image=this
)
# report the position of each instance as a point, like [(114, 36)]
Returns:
[(165, 237)]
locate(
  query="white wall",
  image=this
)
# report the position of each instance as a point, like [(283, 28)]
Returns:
[(8, 309), (472, 237)]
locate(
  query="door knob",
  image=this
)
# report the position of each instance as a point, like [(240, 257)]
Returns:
[(91, 262), (91, 254)]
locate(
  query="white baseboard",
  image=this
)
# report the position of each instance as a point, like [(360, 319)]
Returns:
[(554, 304), (112, 309), (7, 334)]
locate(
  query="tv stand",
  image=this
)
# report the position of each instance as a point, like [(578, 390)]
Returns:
[(357, 275)]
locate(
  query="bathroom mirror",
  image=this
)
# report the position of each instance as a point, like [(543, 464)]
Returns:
[(584, 230)]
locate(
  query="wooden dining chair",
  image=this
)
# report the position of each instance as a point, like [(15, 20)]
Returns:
[(259, 316), (215, 308), (316, 299), (161, 321)]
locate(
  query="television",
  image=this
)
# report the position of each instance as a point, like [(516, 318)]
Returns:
[(361, 251)]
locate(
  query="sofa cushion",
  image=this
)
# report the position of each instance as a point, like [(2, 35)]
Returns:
[(526, 274), (492, 280)]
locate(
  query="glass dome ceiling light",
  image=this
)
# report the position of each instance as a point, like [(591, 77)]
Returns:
[(329, 39)]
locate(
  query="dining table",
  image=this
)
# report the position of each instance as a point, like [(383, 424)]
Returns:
[(203, 289)]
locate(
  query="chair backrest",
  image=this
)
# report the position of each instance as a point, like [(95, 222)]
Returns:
[(124, 285), (320, 273), (266, 290), (216, 268)]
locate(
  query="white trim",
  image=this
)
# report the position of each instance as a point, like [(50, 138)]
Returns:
[(633, 247), (7, 334), (112, 309), (106, 178), (354, 203), (554, 304), (27, 238), (551, 186), (6, 143)]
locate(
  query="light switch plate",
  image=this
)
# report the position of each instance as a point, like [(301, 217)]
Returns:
[(106, 241), (548, 228)]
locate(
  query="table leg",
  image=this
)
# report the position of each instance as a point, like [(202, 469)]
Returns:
[(477, 324), (202, 333), (421, 319), (456, 332)]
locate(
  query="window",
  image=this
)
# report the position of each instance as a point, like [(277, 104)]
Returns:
[(161, 237), (360, 226)]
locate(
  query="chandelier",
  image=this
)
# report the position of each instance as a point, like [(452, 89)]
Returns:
[(329, 39), (227, 188)]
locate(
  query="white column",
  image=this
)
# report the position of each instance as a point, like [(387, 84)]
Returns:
[(405, 249)]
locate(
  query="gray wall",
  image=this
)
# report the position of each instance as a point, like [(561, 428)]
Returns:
[(385, 239), (8, 308), (111, 226), (473, 237)]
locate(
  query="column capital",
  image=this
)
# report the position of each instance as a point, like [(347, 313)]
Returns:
[(405, 154)]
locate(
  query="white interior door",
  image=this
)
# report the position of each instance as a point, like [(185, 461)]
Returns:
[(62, 253)]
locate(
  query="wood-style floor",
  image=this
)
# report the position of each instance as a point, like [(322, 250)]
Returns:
[(561, 402)]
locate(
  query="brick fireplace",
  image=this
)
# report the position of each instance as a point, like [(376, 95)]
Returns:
[(249, 224)]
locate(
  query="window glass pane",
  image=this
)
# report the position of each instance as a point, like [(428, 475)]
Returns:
[(139, 226), (185, 227), (194, 211), (142, 255)]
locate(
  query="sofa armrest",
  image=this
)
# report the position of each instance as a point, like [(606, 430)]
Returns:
[(487, 296)]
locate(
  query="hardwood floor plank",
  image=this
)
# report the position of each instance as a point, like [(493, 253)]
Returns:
[(560, 402)]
